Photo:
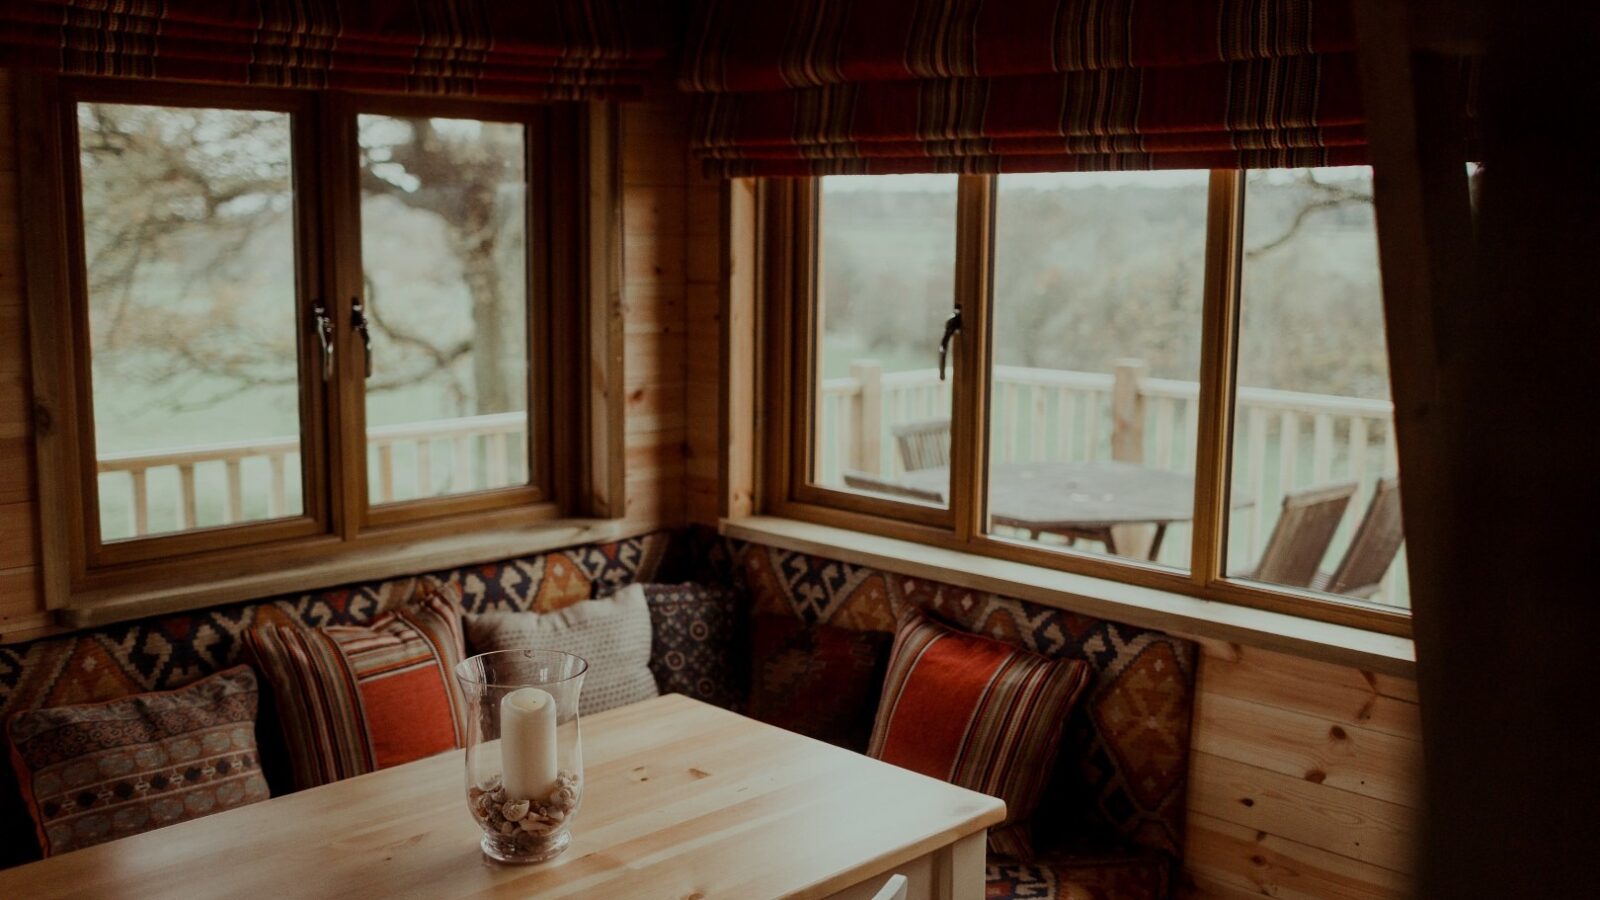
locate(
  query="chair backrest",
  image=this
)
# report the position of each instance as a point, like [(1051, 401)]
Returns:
[(1376, 542), (1305, 529), (923, 445), (861, 481), (893, 889)]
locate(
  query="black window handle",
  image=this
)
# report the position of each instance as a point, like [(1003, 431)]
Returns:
[(323, 326), (951, 326)]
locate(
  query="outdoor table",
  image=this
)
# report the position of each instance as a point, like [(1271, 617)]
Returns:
[(1081, 500), (682, 800)]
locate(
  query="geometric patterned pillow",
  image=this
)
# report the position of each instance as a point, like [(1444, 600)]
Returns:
[(817, 680), (698, 647), (978, 713), (100, 771), (353, 699), (611, 635)]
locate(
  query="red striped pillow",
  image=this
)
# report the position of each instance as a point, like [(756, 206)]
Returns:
[(355, 699), (978, 713)]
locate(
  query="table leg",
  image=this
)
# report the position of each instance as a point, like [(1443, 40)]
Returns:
[(1108, 537), (959, 868), (1155, 544)]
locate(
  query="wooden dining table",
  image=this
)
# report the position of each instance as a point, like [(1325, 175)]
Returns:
[(1081, 500), (683, 801)]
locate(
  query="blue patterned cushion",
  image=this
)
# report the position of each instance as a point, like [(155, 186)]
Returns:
[(698, 642)]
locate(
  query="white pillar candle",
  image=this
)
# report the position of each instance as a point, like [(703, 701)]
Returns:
[(528, 743)]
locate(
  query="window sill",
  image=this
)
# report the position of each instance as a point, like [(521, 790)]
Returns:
[(102, 607), (1099, 597)]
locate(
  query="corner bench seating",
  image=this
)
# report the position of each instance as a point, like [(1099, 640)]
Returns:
[(1113, 813)]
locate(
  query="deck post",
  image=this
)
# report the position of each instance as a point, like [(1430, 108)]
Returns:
[(1127, 410), (867, 446), (1127, 444)]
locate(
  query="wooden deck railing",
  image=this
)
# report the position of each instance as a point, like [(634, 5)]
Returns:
[(1283, 440), (255, 476)]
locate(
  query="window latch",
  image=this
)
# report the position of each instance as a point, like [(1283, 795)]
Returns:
[(358, 321), (951, 326), (324, 329)]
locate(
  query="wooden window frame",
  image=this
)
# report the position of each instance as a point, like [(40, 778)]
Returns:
[(568, 205), (787, 209)]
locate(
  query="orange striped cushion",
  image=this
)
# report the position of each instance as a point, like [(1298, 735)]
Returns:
[(978, 713), (355, 699)]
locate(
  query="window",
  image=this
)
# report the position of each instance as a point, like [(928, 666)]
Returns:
[(297, 323), (189, 273), (1174, 379), (882, 417), (1315, 488), (1098, 286), (447, 400)]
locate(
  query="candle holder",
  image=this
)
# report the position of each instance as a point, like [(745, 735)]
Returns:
[(524, 751)]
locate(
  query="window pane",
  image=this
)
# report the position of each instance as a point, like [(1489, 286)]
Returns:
[(443, 245), (189, 247), (1098, 285), (1313, 435), (885, 287)]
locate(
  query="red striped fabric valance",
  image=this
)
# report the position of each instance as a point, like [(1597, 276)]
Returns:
[(556, 50), (815, 87)]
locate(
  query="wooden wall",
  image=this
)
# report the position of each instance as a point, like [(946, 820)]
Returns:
[(662, 215), (1303, 779), (658, 264), (21, 598)]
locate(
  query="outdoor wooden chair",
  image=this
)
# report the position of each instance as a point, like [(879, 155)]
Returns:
[(1300, 539), (1373, 547), (861, 481), (893, 889), (923, 445)]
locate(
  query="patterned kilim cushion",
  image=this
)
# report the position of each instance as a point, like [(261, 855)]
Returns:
[(98, 771), (699, 644), (817, 680), (1081, 875), (612, 635), (1127, 741), (979, 713), (353, 699)]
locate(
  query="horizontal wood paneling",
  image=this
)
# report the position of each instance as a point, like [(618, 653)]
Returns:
[(21, 595), (1241, 862), (1303, 779), (1304, 746), (655, 178), (1362, 828)]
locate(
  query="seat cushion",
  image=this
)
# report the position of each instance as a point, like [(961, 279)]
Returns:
[(698, 643), (816, 680), (94, 772), (1106, 874), (979, 713), (353, 699), (612, 635)]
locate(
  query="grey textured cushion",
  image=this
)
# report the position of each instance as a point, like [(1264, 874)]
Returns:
[(612, 634)]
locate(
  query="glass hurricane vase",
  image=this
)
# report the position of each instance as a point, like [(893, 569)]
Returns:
[(524, 751)]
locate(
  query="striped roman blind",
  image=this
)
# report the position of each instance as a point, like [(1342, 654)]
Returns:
[(816, 87), (557, 50)]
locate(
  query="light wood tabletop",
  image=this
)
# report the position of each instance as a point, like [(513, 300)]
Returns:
[(684, 800)]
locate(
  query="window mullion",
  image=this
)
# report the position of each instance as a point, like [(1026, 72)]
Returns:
[(1219, 337), (969, 412), (346, 461)]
